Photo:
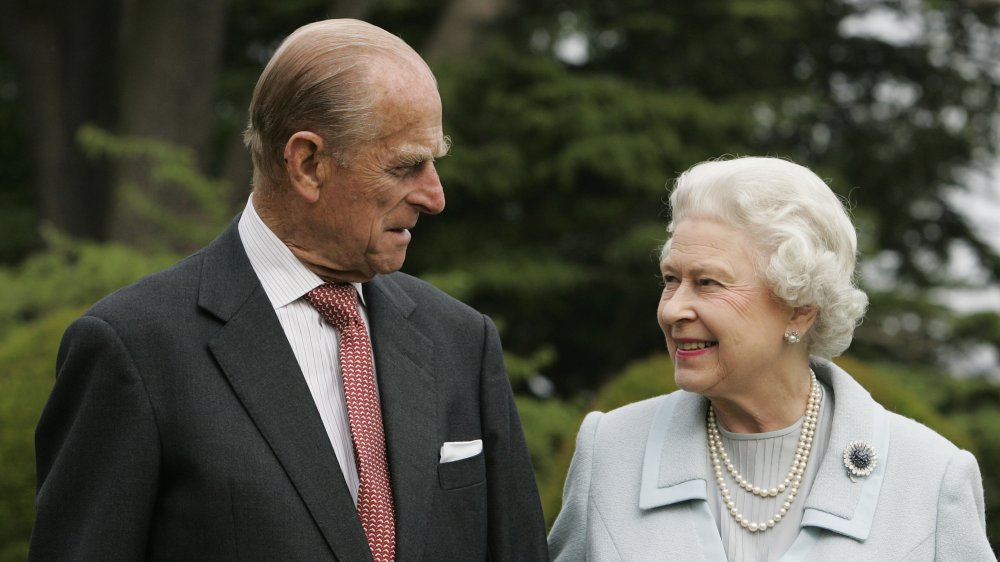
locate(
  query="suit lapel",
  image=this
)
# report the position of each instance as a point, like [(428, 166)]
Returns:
[(403, 365), (254, 354)]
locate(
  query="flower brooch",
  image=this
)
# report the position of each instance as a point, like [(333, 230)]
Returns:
[(859, 459)]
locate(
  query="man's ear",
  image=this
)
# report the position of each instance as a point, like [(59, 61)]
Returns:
[(305, 165)]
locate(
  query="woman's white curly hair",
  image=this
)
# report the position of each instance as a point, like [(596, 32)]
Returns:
[(805, 241)]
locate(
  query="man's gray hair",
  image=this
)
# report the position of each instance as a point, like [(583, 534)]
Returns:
[(319, 80)]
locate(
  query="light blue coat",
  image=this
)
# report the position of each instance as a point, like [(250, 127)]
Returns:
[(637, 488)]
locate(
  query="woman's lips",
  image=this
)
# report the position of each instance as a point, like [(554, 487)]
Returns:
[(688, 348)]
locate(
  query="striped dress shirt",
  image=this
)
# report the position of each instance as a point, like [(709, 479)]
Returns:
[(314, 342)]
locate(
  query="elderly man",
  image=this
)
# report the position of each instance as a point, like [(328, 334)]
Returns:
[(285, 393)]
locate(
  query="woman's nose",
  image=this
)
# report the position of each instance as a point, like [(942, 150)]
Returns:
[(676, 307)]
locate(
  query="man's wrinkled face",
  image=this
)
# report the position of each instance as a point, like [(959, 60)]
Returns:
[(369, 206)]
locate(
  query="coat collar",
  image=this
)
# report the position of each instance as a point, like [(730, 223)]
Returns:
[(834, 503)]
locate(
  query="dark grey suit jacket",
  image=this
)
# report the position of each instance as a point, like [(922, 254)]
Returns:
[(180, 428)]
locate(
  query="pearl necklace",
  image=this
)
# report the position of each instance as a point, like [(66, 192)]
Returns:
[(792, 480)]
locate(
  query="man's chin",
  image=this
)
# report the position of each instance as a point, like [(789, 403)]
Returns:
[(385, 264)]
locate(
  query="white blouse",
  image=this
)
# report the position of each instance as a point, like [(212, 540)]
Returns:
[(764, 460)]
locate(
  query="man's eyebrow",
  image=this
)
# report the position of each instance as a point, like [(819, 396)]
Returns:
[(409, 155), (444, 145)]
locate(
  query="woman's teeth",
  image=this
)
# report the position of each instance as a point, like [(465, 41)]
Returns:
[(693, 346)]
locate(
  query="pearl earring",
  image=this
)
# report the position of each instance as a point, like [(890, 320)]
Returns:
[(792, 337)]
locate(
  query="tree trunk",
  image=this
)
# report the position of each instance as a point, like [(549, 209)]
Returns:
[(171, 61), (65, 62), (355, 9), (459, 29)]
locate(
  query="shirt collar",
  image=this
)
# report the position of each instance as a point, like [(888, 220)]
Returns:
[(285, 279)]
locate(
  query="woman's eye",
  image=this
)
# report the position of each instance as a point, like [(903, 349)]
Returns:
[(669, 282)]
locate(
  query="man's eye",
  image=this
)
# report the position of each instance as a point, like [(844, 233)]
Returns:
[(406, 170), (705, 281)]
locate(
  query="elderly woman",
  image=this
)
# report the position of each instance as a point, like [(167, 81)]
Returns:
[(769, 451)]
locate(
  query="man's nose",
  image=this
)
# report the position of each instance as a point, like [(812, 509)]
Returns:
[(429, 195)]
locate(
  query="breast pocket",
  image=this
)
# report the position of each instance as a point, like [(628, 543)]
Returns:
[(462, 473)]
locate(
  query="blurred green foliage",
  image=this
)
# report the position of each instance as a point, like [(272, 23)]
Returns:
[(570, 117), (28, 356), (910, 392), (560, 164), (170, 164), (69, 274), (42, 296), (47, 290)]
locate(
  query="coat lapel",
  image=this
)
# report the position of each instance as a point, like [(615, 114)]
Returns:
[(671, 471), (835, 502), (407, 388), (677, 433), (254, 354)]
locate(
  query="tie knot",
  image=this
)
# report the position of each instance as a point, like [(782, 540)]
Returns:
[(337, 303)]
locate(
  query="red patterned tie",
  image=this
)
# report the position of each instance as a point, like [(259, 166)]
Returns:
[(338, 305)]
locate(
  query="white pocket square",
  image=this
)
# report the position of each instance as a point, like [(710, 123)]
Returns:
[(452, 451)]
